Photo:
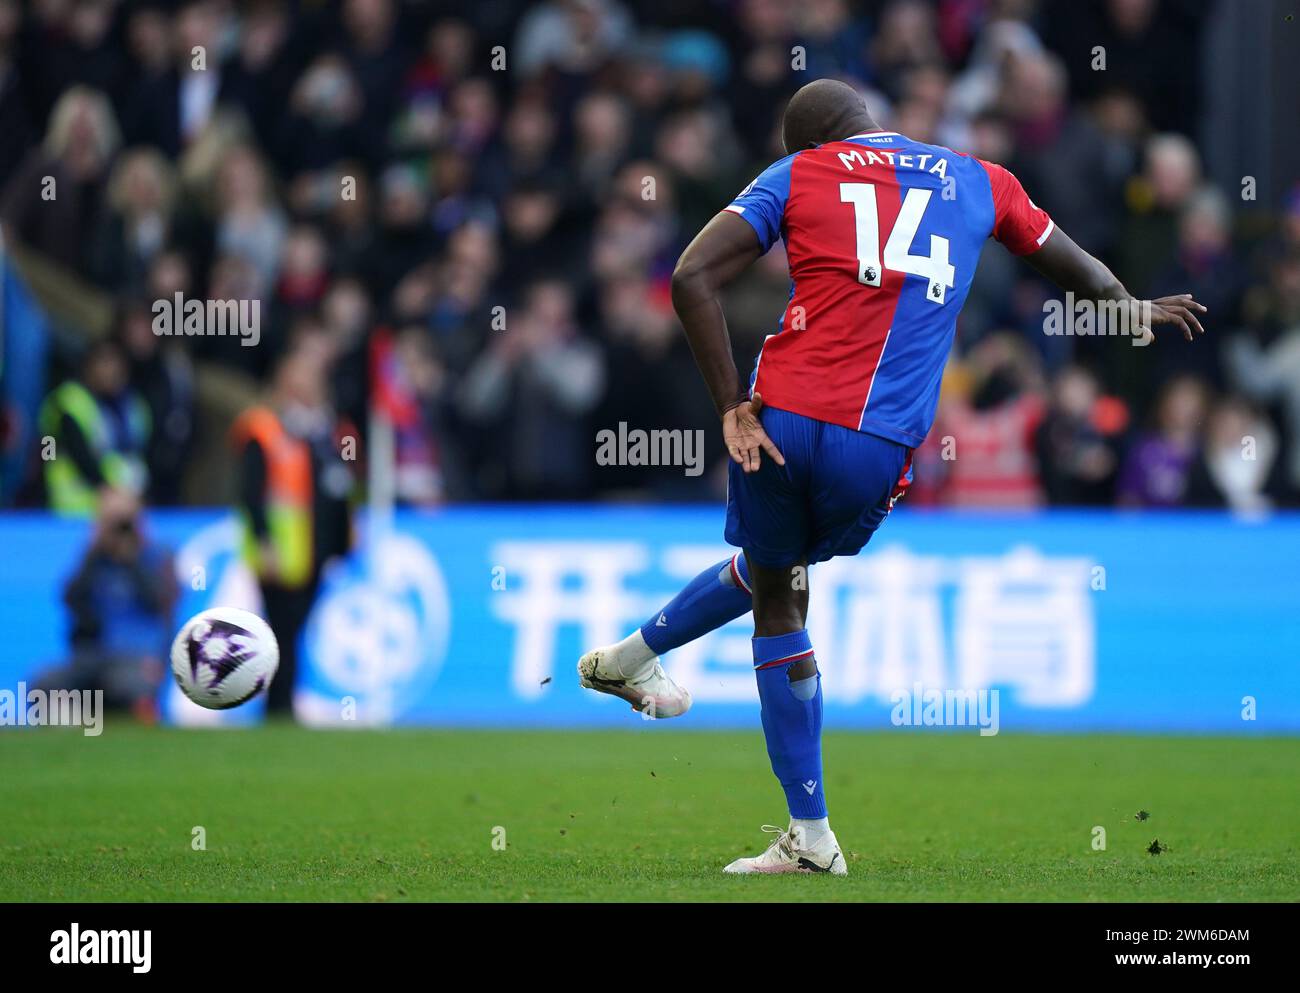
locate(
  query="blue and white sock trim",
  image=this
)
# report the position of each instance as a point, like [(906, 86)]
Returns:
[(782, 649)]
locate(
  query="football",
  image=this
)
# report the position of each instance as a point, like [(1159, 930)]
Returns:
[(224, 656)]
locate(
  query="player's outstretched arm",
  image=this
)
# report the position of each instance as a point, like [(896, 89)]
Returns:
[(1071, 268), (721, 251)]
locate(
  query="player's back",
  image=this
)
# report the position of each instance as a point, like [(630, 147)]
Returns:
[(883, 236)]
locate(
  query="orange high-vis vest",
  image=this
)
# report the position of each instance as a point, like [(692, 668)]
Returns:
[(288, 497)]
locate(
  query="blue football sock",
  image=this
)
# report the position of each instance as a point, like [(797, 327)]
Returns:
[(715, 597), (792, 721)]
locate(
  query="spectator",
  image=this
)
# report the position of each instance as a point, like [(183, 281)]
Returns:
[(170, 107), (418, 392), (138, 225), (53, 202), (991, 459), (263, 70), (1265, 365), (979, 88), (376, 52), (459, 305), (1156, 468), (1235, 468), (1157, 200), (323, 124), (533, 229), (16, 130), (525, 153), (1078, 441), (633, 233), (304, 270), (760, 84), (602, 124), (695, 146), (233, 277), (249, 223), (347, 314), (1205, 266), (572, 37), (532, 390), (1061, 154), (98, 432), (120, 602), (906, 39), (650, 385), (834, 38), (404, 239), (162, 374)]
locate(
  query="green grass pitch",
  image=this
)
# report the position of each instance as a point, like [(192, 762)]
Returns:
[(648, 813)]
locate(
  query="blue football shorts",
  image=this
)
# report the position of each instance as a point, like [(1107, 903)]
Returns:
[(835, 489)]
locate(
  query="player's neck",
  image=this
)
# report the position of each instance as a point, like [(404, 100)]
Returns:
[(862, 126)]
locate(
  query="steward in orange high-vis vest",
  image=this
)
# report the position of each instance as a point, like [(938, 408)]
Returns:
[(293, 499), (288, 499)]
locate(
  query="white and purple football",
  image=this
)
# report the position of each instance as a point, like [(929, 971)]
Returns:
[(224, 656)]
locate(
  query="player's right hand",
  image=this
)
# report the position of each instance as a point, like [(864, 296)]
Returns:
[(746, 440)]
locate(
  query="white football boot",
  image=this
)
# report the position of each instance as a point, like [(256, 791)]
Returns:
[(785, 855), (641, 682)]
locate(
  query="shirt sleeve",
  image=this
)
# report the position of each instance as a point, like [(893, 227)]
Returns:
[(1019, 223), (762, 202)]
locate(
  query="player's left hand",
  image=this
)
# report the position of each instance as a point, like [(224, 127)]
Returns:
[(1179, 310), (746, 440)]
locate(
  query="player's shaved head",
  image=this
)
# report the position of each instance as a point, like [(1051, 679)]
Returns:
[(824, 110)]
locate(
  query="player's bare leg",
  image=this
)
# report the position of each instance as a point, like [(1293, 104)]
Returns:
[(789, 689)]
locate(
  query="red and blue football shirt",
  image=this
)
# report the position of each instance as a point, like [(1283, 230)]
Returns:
[(883, 235)]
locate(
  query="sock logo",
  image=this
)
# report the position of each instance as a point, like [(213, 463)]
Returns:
[(810, 786), (662, 622)]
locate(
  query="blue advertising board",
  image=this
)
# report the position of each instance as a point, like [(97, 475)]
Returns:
[(1171, 622)]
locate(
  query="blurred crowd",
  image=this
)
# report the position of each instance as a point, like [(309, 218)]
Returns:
[(497, 192)]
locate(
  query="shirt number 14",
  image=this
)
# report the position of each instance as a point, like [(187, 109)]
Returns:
[(933, 267)]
